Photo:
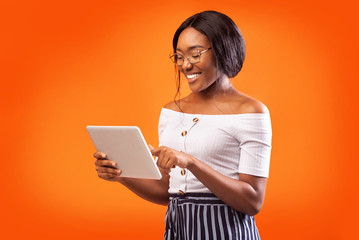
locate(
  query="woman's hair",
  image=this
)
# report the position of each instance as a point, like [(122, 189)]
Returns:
[(226, 41)]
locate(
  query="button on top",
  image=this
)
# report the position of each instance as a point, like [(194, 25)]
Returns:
[(181, 192), (184, 133), (183, 172), (195, 120)]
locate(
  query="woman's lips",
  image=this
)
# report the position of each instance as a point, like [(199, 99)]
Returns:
[(192, 77)]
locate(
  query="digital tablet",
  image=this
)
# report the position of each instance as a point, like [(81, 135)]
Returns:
[(127, 147)]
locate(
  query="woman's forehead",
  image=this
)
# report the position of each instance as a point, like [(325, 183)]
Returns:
[(190, 38)]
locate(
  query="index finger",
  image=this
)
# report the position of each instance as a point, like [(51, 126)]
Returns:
[(100, 155), (156, 152)]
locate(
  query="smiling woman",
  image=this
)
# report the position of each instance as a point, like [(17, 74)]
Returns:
[(215, 143)]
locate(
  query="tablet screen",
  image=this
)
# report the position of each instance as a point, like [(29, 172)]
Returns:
[(127, 147)]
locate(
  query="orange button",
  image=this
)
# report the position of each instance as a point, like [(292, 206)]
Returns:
[(195, 120), (181, 192), (183, 172), (184, 133)]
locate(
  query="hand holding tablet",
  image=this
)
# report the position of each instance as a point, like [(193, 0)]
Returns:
[(126, 146)]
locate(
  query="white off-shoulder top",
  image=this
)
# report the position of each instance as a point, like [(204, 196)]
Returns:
[(230, 144)]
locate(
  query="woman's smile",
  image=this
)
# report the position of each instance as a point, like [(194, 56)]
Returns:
[(193, 77)]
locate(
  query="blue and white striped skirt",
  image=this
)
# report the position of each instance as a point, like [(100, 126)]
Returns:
[(204, 216)]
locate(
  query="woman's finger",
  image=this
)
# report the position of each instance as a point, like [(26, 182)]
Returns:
[(99, 155), (169, 160), (109, 170), (156, 152), (161, 154), (105, 163), (150, 147), (107, 176)]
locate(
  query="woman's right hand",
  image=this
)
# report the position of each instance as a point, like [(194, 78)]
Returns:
[(106, 169)]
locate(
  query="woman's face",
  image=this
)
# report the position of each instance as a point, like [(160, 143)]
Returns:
[(200, 75)]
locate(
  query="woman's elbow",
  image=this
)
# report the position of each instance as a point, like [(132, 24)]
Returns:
[(164, 202), (254, 210), (251, 208)]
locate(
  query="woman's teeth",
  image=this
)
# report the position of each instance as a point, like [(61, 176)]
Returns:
[(193, 75)]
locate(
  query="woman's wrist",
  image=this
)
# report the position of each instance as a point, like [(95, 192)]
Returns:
[(122, 180), (192, 163)]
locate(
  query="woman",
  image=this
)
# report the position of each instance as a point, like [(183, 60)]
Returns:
[(215, 143)]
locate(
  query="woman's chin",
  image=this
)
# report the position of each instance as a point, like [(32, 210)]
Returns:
[(194, 87)]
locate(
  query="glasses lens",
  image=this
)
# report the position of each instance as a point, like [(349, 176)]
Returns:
[(177, 59), (194, 57)]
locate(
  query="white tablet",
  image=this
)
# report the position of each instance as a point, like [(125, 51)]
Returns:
[(127, 147)]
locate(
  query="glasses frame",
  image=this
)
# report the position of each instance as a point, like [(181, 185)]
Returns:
[(188, 58)]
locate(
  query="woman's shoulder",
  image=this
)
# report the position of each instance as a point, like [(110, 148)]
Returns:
[(172, 106), (180, 104), (240, 103), (247, 104)]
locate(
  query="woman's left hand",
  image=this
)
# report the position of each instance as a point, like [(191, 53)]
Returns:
[(169, 158)]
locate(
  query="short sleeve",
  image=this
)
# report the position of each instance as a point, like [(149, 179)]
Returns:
[(255, 136)]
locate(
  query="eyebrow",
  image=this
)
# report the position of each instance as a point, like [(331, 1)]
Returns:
[(190, 48)]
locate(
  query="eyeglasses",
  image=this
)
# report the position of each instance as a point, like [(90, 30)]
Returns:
[(193, 57)]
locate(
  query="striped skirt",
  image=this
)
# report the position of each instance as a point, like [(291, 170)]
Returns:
[(204, 216)]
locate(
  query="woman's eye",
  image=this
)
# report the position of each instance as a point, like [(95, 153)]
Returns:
[(179, 57), (195, 56)]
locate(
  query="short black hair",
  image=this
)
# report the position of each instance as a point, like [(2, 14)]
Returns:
[(225, 37)]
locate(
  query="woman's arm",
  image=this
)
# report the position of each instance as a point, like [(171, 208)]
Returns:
[(155, 191), (245, 195)]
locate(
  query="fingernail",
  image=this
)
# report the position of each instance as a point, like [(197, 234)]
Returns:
[(119, 172), (102, 155), (114, 164)]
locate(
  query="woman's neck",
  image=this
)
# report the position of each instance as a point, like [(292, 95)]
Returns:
[(220, 88)]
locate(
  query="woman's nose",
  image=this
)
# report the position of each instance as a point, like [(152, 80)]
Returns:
[(186, 64)]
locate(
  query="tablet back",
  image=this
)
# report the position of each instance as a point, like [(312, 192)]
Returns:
[(126, 146)]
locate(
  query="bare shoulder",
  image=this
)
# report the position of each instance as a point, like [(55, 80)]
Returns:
[(250, 105), (172, 106)]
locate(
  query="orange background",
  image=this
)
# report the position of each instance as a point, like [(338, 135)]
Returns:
[(68, 64)]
